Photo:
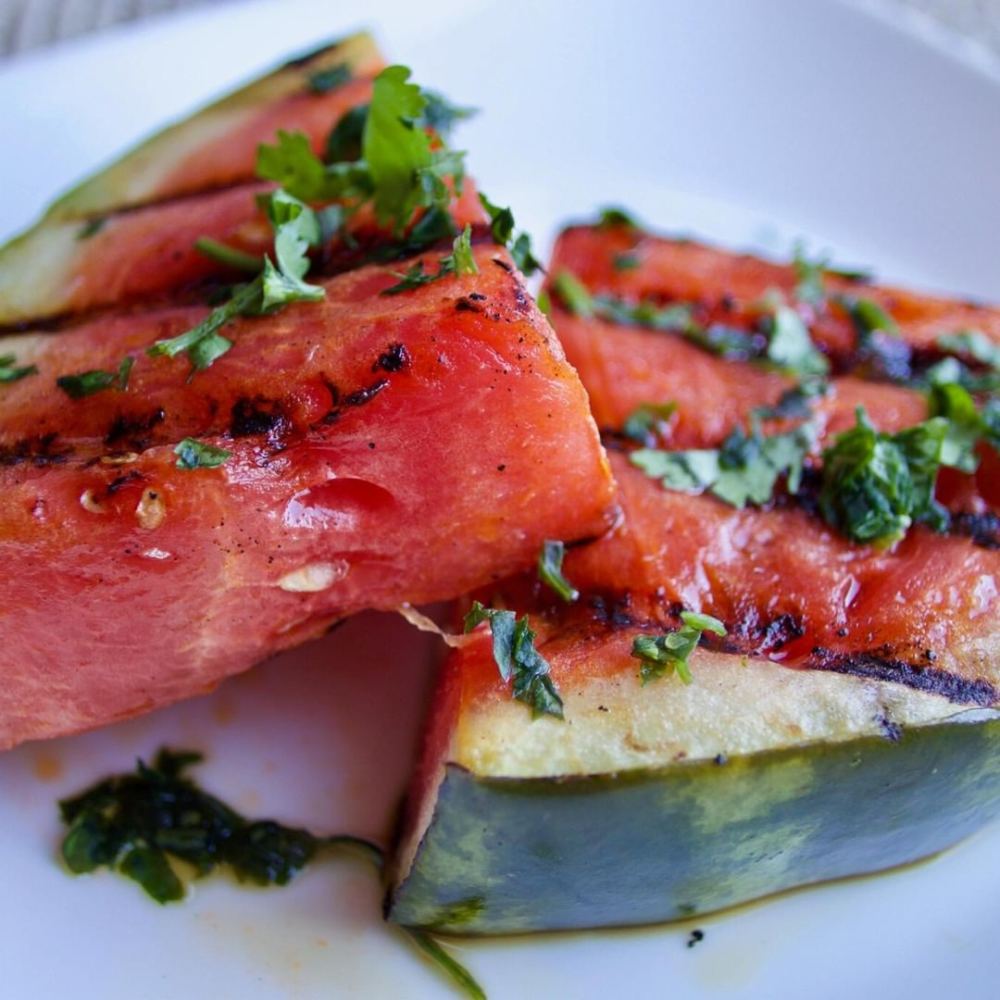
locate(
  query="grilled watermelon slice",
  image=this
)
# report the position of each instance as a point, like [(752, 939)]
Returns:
[(848, 721), (128, 232), (217, 146), (402, 439)]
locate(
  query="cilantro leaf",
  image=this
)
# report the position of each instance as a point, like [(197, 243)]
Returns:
[(502, 231), (666, 654), (194, 454), (879, 345), (627, 261), (964, 425), (789, 345), (344, 141), (440, 115), (461, 261), (11, 372), (810, 275), (744, 470), (876, 485), (795, 402), (90, 382), (294, 166), (613, 216), (647, 418), (517, 659), (203, 343), (394, 145), (574, 294), (550, 561)]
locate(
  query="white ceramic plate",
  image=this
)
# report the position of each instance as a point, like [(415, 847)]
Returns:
[(814, 118)]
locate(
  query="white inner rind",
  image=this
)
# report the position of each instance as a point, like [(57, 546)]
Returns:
[(734, 707)]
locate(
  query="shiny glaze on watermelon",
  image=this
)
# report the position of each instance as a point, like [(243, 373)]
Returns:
[(384, 449)]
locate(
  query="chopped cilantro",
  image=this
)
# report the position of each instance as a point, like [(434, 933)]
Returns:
[(194, 454), (325, 80), (203, 343), (810, 285), (440, 115), (138, 823), (646, 419), (744, 470), (90, 382), (459, 261), (574, 294), (796, 402), (502, 230), (876, 485), (725, 341), (613, 216), (663, 655), (879, 345), (10, 371), (517, 659), (627, 261), (550, 561), (344, 142), (789, 345)]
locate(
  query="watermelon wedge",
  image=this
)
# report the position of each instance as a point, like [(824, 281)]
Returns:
[(847, 720), (190, 487)]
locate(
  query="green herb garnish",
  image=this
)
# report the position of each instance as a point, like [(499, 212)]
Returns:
[(517, 659), (663, 655), (194, 454), (10, 371), (744, 470), (344, 141), (782, 340), (789, 345), (460, 261), (550, 561), (879, 345), (626, 261), (90, 382), (646, 419), (137, 823), (876, 485), (502, 230), (613, 216), (810, 276)]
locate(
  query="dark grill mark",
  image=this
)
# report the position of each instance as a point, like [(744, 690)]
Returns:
[(876, 667), (120, 481), (983, 529), (362, 396), (465, 305), (133, 430), (394, 359), (39, 451), (256, 416)]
